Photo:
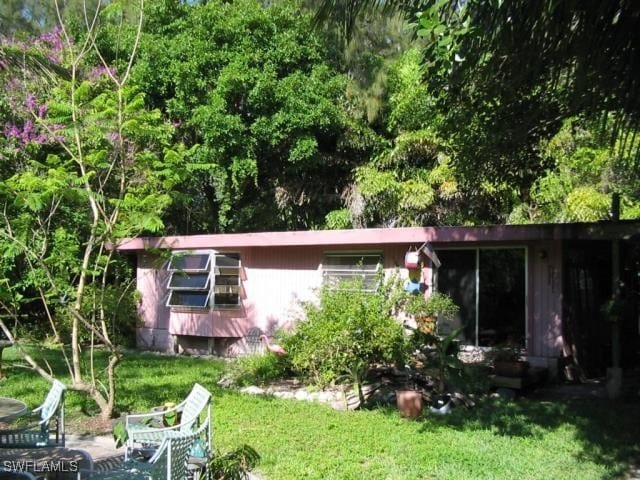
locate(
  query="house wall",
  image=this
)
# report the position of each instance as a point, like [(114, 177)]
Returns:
[(276, 279)]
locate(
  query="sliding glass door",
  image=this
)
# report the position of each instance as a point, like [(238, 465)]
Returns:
[(489, 285)]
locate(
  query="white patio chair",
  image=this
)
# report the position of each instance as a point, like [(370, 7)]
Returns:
[(141, 434), (169, 462), (48, 431)]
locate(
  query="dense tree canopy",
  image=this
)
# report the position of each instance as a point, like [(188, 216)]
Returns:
[(252, 86), (241, 116), (84, 163), (507, 74)]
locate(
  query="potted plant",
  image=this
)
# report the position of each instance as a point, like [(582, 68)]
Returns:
[(441, 351), (410, 402), (508, 361), (426, 312), (409, 399)]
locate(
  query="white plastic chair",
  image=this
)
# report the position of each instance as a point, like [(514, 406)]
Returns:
[(169, 462), (41, 434), (140, 433)]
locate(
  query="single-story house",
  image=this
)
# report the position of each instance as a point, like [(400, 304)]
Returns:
[(542, 286)]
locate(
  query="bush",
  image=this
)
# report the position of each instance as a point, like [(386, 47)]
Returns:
[(234, 465), (259, 369), (347, 332)]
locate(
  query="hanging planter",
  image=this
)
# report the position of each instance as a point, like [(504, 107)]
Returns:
[(412, 260)]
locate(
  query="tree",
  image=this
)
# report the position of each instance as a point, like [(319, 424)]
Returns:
[(254, 88), (585, 171), (506, 74), (411, 181), (94, 166)]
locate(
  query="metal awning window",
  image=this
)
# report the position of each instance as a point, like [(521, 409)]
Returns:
[(204, 280), (350, 266)]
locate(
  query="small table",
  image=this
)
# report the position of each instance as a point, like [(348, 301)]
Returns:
[(10, 408)]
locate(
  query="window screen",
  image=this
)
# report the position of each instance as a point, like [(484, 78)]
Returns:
[(204, 280), (363, 267)]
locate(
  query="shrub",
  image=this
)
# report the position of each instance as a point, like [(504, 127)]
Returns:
[(259, 369), (343, 335), (234, 465)]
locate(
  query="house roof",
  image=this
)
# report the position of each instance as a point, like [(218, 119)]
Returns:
[(378, 236)]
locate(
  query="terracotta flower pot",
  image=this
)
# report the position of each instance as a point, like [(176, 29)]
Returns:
[(410, 403)]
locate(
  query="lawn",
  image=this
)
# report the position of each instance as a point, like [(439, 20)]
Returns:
[(522, 439)]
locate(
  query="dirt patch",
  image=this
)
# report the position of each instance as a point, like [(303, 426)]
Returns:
[(89, 425)]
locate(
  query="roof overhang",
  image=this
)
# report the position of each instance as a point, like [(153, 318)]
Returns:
[(391, 236)]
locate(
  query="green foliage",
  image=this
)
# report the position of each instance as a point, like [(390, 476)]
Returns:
[(498, 112), (338, 219), (120, 434), (233, 465), (586, 204), (442, 353), (347, 332), (437, 305), (586, 170), (253, 87), (259, 369), (411, 180), (411, 106), (47, 205), (473, 379), (410, 184)]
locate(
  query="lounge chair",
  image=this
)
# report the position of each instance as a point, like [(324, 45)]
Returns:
[(48, 431), (142, 434)]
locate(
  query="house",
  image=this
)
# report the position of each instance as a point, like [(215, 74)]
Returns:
[(542, 286)]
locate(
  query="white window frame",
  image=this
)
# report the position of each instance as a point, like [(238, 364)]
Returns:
[(213, 270), (226, 288), (330, 274)]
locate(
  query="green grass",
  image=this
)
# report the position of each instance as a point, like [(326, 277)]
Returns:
[(522, 439)]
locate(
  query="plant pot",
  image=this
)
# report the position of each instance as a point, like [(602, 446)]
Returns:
[(410, 403), (504, 368)]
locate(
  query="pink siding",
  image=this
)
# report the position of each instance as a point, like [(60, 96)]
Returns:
[(276, 279), (274, 283), (151, 278)]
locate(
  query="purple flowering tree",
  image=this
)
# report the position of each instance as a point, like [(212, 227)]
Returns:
[(97, 167)]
